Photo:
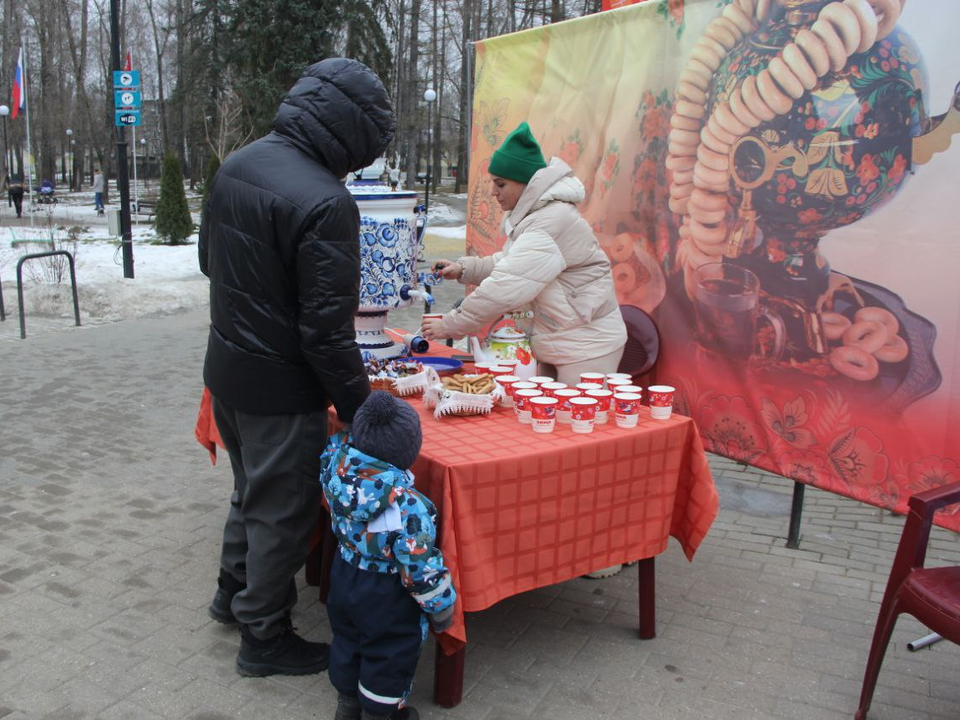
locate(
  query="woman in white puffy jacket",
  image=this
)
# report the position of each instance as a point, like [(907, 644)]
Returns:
[(551, 264)]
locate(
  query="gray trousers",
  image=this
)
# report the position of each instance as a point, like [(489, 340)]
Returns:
[(273, 508)]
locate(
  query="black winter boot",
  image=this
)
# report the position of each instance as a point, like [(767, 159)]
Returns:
[(284, 654), (348, 708), (227, 587)]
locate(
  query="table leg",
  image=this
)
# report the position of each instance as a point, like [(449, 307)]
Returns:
[(648, 598), (448, 677)]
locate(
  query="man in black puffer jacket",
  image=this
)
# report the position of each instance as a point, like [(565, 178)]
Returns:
[(280, 243)]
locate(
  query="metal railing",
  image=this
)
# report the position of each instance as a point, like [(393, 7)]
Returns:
[(73, 285)]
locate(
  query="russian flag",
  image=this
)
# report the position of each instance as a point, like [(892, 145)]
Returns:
[(19, 94)]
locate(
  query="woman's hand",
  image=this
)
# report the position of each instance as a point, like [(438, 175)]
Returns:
[(432, 329), (448, 269)]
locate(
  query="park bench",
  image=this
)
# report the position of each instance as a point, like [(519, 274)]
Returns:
[(147, 206)]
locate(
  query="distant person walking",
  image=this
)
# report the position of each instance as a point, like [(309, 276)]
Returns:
[(15, 192), (99, 187)]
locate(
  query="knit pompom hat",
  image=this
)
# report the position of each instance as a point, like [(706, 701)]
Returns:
[(387, 428), (519, 157)]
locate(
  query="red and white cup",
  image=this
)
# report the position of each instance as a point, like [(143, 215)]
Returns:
[(619, 376), (521, 399), (661, 401), (498, 370), (563, 397), (429, 316), (584, 386), (592, 377), (550, 389), (541, 379), (603, 398), (484, 365), (543, 413), (583, 414), (627, 408), (506, 382), (615, 383), (636, 389)]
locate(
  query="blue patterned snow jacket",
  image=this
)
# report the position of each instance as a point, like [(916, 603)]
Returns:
[(361, 489)]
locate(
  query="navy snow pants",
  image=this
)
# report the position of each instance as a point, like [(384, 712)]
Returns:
[(378, 632)]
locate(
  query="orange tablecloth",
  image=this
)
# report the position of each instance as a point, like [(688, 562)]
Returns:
[(520, 510)]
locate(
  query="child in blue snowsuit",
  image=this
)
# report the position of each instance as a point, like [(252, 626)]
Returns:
[(388, 582)]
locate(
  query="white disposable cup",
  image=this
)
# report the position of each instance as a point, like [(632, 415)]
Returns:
[(659, 395), (541, 379), (627, 421), (540, 424), (563, 416), (624, 376), (505, 381), (582, 426), (592, 377), (600, 396), (524, 415)]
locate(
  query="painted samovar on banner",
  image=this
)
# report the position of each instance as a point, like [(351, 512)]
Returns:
[(795, 117)]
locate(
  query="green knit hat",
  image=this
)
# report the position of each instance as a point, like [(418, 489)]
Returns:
[(519, 157)]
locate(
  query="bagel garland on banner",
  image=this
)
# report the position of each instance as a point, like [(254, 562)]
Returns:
[(700, 143)]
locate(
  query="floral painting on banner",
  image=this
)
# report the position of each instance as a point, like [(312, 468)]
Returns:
[(779, 198)]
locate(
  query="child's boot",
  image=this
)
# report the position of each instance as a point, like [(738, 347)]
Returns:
[(348, 708)]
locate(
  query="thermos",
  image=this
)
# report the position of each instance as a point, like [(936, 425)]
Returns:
[(416, 343)]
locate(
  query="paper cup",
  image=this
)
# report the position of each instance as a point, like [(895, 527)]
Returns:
[(541, 379), (593, 377), (627, 407), (661, 401), (620, 376), (584, 386), (521, 399), (615, 383), (506, 382), (583, 414), (636, 389), (498, 370), (484, 365), (550, 389), (603, 398), (563, 403), (543, 413)]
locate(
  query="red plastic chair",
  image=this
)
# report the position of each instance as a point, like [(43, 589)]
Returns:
[(931, 595)]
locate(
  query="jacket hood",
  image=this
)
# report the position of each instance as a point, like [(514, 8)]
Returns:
[(339, 112), (359, 486), (554, 182)]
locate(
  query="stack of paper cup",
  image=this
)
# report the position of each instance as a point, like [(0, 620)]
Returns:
[(636, 389), (583, 414), (521, 399), (543, 413), (627, 407), (619, 376), (661, 401), (584, 386), (563, 408), (615, 383)]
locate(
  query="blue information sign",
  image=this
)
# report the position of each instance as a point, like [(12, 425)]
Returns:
[(126, 118), (126, 79), (126, 99)]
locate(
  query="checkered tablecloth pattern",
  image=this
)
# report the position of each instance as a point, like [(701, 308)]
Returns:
[(520, 510)]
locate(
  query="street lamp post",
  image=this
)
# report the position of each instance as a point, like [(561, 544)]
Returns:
[(429, 95), (4, 111), (69, 178)]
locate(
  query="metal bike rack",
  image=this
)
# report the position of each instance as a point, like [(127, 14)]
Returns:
[(73, 285)]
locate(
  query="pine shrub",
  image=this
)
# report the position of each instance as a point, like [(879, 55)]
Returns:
[(173, 222)]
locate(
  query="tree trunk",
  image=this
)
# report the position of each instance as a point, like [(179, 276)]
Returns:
[(410, 104), (465, 80)]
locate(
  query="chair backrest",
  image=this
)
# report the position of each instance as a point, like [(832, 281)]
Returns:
[(643, 342)]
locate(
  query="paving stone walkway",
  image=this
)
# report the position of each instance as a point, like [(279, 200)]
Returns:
[(110, 520)]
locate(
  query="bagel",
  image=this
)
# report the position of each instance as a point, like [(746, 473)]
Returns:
[(776, 99), (711, 141), (814, 50), (834, 325), (709, 201), (844, 21), (724, 136), (753, 101), (739, 18), (867, 335), (798, 64), (678, 205), (691, 92), (712, 159), (880, 315), (831, 40), (679, 163), (690, 109), (706, 54), (786, 78), (867, 19), (895, 350), (740, 110), (854, 363), (728, 121), (685, 123)]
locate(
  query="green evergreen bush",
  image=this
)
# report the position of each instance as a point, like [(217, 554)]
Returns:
[(173, 222)]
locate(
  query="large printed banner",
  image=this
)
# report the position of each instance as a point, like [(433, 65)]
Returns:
[(797, 236)]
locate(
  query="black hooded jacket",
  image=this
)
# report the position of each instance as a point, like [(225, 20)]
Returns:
[(280, 243)]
